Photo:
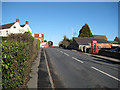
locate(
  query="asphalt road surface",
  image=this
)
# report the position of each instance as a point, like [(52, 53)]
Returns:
[(78, 70)]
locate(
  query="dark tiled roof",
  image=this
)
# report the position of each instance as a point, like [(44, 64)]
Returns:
[(22, 25), (87, 40), (5, 26), (100, 37)]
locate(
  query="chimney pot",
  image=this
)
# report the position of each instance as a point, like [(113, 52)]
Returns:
[(17, 20), (26, 22)]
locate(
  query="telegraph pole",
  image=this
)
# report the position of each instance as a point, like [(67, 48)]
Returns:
[(72, 32)]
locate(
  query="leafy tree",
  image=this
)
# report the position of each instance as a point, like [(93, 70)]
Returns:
[(50, 43), (29, 32), (65, 42), (85, 31), (45, 40), (65, 38)]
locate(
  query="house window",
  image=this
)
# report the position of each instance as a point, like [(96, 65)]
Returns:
[(6, 32), (14, 27)]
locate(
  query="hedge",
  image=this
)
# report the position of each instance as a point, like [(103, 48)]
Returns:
[(17, 52), (110, 53), (38, 44)]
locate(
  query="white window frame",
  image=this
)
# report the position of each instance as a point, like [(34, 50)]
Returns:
[(6, 32)]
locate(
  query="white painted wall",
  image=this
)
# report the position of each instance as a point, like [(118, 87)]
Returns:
[(33, 34), (40, 35), (42, 44), (3, 32), (15, 30), (27, 28)]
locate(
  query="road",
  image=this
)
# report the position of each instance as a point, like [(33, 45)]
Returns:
[(78, 70)]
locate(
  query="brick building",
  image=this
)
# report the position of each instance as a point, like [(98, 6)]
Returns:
[(84, 43), (41, 38)]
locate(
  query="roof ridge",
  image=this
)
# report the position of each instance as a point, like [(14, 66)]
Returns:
[(9, 23)]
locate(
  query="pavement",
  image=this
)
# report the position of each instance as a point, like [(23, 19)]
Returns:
[(32, 83), (78, 70), (39, 76)]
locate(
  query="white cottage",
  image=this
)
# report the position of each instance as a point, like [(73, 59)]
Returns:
[(14, 28)]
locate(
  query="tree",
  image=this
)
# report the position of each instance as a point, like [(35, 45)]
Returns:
[(85, 31), (29, 32), (45, 40), (65, 42), (65, 38), (50, 43)]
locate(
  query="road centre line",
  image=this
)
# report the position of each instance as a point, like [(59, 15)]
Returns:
[(105, 73), (61, 51), (77, 60), (66, 54)]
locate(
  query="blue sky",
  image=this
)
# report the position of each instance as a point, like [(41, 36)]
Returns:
[(56, 19)]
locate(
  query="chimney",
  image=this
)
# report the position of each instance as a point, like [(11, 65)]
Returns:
[(26, 22), (17, 20)]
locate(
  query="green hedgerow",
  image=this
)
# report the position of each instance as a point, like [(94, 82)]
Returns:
[(17, 51)]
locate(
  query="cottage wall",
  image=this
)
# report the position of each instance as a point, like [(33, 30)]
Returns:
[(27, 28), (15, 28), (104, 45)]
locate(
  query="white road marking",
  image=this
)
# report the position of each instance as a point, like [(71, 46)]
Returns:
[(106, 74), (66, 54), (77, 60), (50, 76), (61, 51)]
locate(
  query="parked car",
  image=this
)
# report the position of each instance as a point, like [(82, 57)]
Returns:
[(116, 49)]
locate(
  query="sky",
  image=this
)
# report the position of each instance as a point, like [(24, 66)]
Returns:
[(56, 19)]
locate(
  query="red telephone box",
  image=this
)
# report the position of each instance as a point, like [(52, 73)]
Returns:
[(94, 46)]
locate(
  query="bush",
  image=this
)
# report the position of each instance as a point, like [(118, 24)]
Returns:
[(21, 37), (38, 44), (3, 38), (16, 56)]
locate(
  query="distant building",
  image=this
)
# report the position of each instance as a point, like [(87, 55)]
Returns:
[(14, 28), (117, 39), (44, 44), (41, 38), (115, 43), (83, 43)]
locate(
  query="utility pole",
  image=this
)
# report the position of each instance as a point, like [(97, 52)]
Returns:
[(72, 32)]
